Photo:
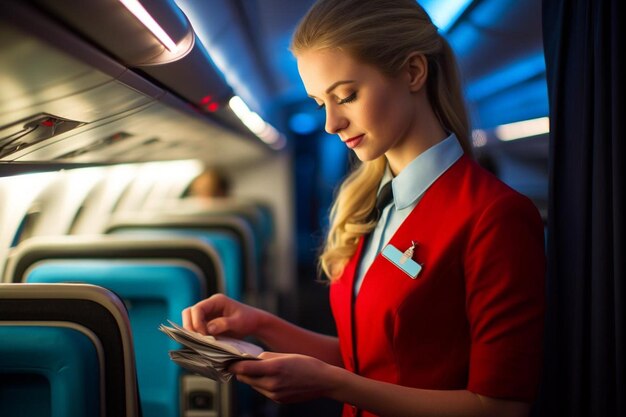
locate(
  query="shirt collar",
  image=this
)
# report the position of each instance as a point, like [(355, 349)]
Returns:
[(422, 172)]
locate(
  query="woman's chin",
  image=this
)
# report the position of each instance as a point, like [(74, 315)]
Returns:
[(364, 155)]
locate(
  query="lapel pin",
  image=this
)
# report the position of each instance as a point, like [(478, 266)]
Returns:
[(408, 254)]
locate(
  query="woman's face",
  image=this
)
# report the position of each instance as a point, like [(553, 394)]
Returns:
[(370, 112)]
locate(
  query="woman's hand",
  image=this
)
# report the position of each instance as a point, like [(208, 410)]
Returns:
[(219, 314), (285, 378)]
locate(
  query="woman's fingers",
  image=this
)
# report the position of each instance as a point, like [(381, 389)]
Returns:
[(270, 355), (218, 326), (219, 314), (187, 319), (196, 317), (273, 377), (214, 305), (254, 368)]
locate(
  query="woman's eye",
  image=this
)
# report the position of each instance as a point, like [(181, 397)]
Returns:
[(348, 99)]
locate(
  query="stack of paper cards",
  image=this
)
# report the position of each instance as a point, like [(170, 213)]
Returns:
[(207, 355)]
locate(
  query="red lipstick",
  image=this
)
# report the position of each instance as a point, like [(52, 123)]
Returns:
[(354, 142)]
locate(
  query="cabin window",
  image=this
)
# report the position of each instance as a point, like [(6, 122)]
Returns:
[(27, 225)]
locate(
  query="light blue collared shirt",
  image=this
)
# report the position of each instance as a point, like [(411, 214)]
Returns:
[(408, 188)]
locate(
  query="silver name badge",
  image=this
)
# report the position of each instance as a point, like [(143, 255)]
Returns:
[(403, 260)]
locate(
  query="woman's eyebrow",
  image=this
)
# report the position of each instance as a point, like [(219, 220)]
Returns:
[(334, 85)]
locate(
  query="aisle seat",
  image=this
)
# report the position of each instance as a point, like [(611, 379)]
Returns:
[(65, 350), (43, 365), (153, 293), (232, 226), (224, 243), (193, 251), (157, 280)]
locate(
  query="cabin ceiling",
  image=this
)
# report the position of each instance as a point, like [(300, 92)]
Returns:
[(240, 47), (498, 43)]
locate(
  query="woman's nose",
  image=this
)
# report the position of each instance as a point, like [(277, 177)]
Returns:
[(335, 121)]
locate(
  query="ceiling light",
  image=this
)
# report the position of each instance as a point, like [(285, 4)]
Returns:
[(266, 132), (445, 13), (148, 21), (524, 129)]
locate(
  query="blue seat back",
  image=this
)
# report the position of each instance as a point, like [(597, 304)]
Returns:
[(48, 335), (153, 292), (224, 243), (265, 223), (48, 371)]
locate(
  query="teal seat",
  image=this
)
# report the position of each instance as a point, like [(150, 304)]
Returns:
[(48, 371), (183, 225), (224, 243), (153, 293), (65, 350)]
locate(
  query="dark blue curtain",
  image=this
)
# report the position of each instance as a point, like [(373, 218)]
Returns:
[(585, 370)]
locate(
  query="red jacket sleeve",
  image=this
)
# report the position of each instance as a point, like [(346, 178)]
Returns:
[(505, 275)]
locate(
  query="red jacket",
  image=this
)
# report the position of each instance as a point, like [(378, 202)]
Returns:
[(473, 318)]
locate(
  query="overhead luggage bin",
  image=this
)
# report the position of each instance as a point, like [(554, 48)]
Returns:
[(80, 86), (96, 97)]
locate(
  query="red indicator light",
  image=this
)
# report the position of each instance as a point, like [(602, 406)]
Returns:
[(47, 123), (205, 100), (212, 107)]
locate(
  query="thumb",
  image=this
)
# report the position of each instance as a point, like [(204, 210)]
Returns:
[(270, 355)]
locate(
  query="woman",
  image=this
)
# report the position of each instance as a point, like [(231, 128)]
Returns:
[(438, 304)]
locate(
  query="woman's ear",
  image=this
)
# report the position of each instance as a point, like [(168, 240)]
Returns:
[(416, 68)]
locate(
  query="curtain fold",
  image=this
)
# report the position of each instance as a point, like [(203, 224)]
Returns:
[(584, 371)]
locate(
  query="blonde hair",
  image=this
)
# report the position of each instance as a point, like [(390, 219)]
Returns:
[(381, 33)]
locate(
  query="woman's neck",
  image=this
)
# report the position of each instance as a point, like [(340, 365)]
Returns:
[(426, 135)]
